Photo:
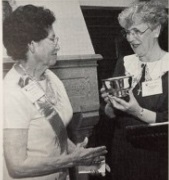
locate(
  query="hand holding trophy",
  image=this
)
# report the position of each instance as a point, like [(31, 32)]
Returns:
[(118, 86)]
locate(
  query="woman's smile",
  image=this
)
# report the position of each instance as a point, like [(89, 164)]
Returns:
[(135, 46)]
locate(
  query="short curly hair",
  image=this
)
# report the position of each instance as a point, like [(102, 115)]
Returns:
[(151, 12), (27, 23)]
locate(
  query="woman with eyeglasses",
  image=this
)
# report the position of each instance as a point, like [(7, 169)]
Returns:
[(142, 24), (36, 106)]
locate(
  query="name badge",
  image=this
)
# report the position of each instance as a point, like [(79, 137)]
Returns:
[(33, 91), (152, 87)]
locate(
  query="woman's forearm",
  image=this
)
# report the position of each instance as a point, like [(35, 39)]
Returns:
[(38, 166), (145, 115), (21, 165)]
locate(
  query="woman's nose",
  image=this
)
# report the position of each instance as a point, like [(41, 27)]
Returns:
[(57, 47), (130, 37), (57, 43)]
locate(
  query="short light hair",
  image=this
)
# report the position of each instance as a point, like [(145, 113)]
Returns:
[(150, 12)]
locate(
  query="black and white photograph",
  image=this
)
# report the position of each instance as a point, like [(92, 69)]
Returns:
[(84, 90)]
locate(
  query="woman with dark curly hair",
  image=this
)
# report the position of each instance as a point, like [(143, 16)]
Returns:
[(142, 23), (37, 108)]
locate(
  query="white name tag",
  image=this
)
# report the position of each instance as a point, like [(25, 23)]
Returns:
[(152, 87), (33, 91)]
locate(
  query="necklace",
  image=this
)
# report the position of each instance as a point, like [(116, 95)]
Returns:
[(50, 96)]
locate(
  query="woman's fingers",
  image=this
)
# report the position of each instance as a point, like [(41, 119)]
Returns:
[(118, 103), (102, 89), (107, 168), (103, 92), (118, 100), (98, 151), (106, 99), (90, 154), (97, 160), (84, 143), (104, 95)]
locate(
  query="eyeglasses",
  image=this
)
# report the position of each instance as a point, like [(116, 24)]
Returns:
[(135, 32), (54, 40)]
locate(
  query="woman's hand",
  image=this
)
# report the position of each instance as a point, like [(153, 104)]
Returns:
[(83, 143), (109, 111), (132, 107), (88, 156), (104, 94), (97, 163)]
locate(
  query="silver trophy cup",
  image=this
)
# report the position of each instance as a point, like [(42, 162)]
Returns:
[(118, 86)]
